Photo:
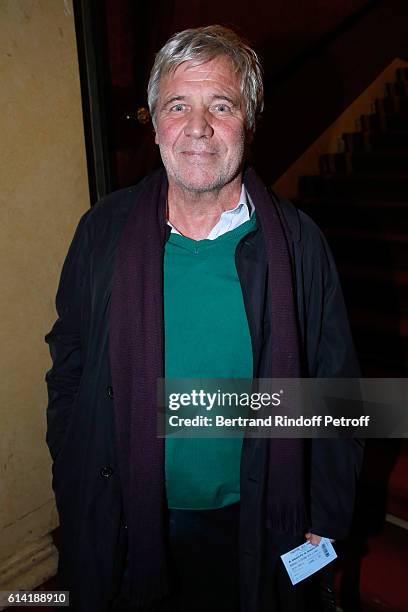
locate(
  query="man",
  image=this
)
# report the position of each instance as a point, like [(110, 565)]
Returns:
[(197, 271)]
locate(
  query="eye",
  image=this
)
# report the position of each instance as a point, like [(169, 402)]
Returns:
[(178, 108), (222, 108)]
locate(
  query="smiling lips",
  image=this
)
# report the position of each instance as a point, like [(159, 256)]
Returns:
[(197, 153)]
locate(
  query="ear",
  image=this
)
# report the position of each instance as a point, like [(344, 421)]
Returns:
[(156, 139)]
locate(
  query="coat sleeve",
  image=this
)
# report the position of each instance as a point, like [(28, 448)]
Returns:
[(335, 463), (65, 343)]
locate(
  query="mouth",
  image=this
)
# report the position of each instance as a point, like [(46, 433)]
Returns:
[(198, 153)]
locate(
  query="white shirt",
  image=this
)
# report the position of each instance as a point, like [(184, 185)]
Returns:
[(230, 219)]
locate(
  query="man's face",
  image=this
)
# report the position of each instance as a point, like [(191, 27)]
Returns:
[(200, 125)]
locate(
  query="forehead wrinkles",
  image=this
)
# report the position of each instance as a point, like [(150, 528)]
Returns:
[(217, 60), (219, 69)]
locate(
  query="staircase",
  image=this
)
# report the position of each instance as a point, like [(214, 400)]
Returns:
[(360, 200)]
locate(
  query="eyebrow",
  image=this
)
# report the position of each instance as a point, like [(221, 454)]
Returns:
[(173, 99), (224, 97), (213, 97)]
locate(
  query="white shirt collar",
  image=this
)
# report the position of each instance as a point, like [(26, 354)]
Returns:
[(229, 219)]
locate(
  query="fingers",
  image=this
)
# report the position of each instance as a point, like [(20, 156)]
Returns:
[(315, 539)]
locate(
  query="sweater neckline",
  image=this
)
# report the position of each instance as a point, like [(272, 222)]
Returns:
[(204, 244)]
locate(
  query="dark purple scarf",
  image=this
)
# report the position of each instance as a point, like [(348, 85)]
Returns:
[(137, 361)]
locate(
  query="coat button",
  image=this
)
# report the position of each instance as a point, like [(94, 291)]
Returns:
[(106, 471), (109, 391)]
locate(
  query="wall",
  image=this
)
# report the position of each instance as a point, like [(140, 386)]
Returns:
[(43, 192)]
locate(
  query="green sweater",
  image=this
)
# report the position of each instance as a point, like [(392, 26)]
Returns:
[(206, 336)]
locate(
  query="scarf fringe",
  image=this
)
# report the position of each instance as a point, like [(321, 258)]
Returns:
[(291, 519)]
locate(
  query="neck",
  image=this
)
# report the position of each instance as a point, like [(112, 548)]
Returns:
[(194, 214)]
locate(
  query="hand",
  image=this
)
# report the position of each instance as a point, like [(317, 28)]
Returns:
[(315, 539)]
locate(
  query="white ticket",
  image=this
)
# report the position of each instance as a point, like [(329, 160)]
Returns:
[(306, 559)]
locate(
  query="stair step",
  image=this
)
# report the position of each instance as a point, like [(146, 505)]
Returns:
[(365, 236), (369, 247), (380, 274), (380, 369), (380, 349), (395, 121), (359, 161), (401, 74), (373, 290), (395, 103), (384, 297), (390, 187), (375, 140), (373, 366), (397, 88), (358, 214), (395, 324)]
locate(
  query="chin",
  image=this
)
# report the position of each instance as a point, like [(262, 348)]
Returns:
[(200, 185), (202, 180)]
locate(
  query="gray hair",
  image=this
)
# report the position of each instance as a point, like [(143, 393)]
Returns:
[(202, 45)]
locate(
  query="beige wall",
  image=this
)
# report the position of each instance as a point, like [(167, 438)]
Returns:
[(43, 191)]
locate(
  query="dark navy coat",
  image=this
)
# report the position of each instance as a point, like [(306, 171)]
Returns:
[(80, 414)]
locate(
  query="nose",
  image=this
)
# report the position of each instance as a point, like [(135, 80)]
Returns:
[(198, 124)]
